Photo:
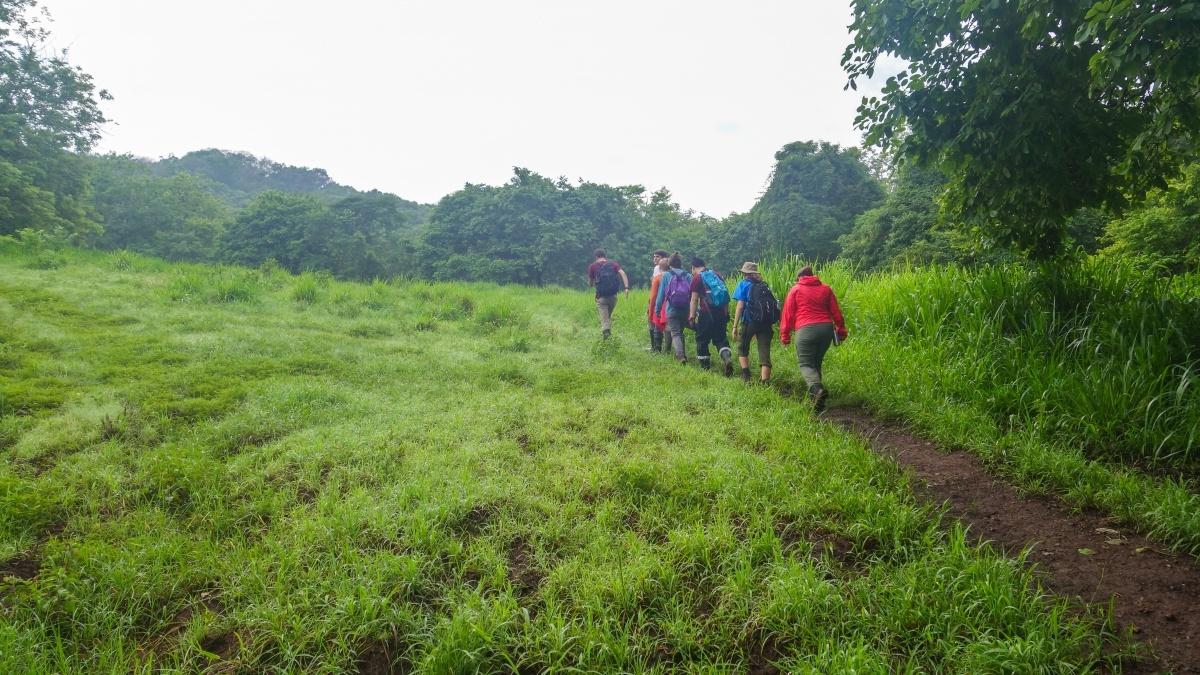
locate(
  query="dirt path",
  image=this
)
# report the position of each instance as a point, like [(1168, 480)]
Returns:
[(1154, 592)]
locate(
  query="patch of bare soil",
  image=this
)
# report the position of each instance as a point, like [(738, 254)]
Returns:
[(22, 567), (523, 572), (383, 657), (168, 639), (1155, 593)]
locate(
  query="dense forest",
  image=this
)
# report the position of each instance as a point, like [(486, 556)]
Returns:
[(822, 201)]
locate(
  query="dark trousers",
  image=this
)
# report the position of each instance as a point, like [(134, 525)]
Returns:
[(812, 341), (711, 328)]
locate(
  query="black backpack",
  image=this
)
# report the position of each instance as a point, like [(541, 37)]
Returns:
[(762, 307), (607, 281)]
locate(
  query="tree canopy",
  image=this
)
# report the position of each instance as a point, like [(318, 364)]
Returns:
[(48, 110), (815, 193), (1033, 108)]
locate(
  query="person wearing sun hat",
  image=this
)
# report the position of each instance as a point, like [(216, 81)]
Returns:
[(754, 316)]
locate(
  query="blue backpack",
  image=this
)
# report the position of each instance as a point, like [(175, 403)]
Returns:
[(718, 292)]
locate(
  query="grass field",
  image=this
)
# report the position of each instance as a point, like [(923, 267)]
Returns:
[(242, 470)]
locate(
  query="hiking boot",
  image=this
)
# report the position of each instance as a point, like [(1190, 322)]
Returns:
[(728, 369), (606, 333), (705, 362), (746, 375), (817, 394)]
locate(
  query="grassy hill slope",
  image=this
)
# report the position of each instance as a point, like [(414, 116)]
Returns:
[(242, 469)]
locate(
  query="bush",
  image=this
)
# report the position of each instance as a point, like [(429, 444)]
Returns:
[(306, 289)]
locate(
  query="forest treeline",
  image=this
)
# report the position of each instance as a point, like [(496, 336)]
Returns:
[(821, 201)]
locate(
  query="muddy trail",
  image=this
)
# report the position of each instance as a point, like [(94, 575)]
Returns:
[(1154, 593)]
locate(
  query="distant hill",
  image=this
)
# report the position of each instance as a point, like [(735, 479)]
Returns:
[(236, 177)]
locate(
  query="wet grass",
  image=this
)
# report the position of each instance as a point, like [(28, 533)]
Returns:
[(1075, 380), (243, 470)]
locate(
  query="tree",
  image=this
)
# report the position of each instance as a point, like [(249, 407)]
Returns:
[(816, 192), (1165, 232), (533, 230), (278, 225), (364, 237), (904, 227), (174, 218), (48, 111), (1033, 108)]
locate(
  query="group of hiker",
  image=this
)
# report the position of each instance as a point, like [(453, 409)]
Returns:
[(698, 299)]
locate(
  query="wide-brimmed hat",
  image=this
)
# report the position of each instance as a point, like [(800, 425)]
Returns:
[(749, 268)]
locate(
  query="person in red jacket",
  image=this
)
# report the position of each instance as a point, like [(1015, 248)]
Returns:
[(811, 311)]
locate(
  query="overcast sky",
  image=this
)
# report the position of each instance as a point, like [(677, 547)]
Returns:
[(418, 98)]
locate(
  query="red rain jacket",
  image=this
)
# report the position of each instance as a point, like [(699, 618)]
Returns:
[(810, 301)]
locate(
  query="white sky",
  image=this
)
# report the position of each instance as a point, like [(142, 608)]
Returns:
[(418, 98)]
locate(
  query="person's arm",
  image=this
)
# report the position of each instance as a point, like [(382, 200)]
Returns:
[(625, 279), (692, 307), (591, 276), (789, 315), (838, 321), (737, 316), (663, 281)]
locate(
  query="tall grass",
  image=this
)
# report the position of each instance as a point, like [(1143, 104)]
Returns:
[(1044, 369)]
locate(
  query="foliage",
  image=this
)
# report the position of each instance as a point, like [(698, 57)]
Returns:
[(1164, 234), (277, 225), (175, 218), (48, 110), (532, 230), (237, 177), (366, 237), (903, 228), (815, 193), (1033, 108)]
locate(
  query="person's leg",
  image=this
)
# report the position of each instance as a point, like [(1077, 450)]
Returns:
[(655, 336), (812, 341), (764, 334), (720, 339), (704, 325), (605, 305), (744, 337), (675, 321)]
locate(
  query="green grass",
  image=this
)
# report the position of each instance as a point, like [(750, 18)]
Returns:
[(1073, 380), (244, 470)]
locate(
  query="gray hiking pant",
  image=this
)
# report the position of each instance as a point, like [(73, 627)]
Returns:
[(605, 306), (676, 322), (812, 341)]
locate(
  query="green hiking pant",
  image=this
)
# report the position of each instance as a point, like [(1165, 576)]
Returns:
[(812, 341)]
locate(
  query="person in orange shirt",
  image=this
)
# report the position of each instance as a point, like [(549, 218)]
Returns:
[(811, 312), (657, 321)]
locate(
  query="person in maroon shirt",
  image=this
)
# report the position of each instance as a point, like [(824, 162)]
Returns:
[(607, 277), (811, 311)]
